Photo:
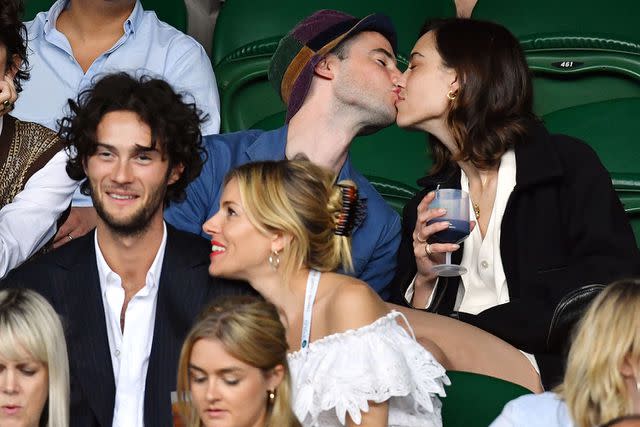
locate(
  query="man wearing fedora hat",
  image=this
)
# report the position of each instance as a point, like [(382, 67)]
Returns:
[(336, 74)]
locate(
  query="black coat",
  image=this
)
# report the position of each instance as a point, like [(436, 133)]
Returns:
[(68, 279), (563, 227)]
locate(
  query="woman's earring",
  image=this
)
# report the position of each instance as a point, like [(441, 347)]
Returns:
[(452, 95), (274, 260), (271, 394)]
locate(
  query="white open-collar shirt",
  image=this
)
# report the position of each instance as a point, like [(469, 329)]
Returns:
[(130, 350)]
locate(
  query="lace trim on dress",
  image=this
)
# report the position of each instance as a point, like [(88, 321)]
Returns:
[(342, 372)]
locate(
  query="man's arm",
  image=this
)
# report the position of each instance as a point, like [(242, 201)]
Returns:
[(29, 221)]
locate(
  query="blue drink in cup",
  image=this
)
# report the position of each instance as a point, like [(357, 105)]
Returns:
[(456, 203), (458, 231)]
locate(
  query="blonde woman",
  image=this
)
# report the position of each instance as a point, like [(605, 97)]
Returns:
[(233, 368), (34, 367), (283, 226), (602, 380)]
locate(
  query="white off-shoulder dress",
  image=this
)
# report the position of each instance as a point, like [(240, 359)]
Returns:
[(339, 374)]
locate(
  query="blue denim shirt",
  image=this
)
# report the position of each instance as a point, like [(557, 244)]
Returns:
[(374, 243)]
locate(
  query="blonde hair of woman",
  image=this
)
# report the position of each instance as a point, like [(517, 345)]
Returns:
[(310, 212), (250, 330), (29, 323), (604, 360)]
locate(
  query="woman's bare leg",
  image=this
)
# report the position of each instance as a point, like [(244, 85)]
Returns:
[(463, 347)]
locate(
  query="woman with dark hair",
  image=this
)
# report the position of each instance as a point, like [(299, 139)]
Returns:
[(547, 220), (35, 190)]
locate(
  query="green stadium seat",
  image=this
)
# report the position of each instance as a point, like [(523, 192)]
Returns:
[(612, 128), (580, 52), (475, 400), (173, 12), (582, 71), (527, 19)]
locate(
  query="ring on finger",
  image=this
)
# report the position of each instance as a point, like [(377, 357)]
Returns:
[(6, 104), (70, 237), (419, 240), (427, 250)]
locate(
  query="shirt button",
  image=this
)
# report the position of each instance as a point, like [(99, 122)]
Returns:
[(484, 264), (117, 353)]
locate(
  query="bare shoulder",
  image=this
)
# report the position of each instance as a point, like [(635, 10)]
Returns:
[(352, 304)]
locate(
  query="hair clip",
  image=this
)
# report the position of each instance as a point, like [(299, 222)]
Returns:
[(352, 213)]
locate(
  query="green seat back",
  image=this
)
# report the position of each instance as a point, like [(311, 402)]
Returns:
[(395, 193), (392, 154), (475, 400), (243, 22), (565, 77), (173, 12), (580, 52), (612, 129), (526, 19)]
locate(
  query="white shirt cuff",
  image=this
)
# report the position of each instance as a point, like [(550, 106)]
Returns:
[(408, 295)]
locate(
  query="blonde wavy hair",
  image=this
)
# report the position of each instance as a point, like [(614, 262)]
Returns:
[(300, 199), (594, 389), (251, 331), (29, 323)]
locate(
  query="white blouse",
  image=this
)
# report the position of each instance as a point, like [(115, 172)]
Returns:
[(485, 284), (340, 373)]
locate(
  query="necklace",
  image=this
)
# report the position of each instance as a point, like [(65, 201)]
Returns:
[(476, 209)]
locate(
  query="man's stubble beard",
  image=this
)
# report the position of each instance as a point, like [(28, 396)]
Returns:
[(139, 221), (352, 98)]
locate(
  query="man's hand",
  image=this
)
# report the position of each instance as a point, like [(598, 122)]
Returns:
[(8, 94), (79, 223)]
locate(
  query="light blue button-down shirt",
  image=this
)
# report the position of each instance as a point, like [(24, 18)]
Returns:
[(535, 410), (374, 243), (148, 46)]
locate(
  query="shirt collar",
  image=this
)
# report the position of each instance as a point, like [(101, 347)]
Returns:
[(153, 275), (269, 145), (130, 25), (272, 144), (134, 20), (53, 13)]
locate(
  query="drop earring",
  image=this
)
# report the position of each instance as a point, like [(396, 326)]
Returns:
[(274, 260)]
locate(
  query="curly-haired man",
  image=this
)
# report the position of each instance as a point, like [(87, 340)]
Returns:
[(130, 290)]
